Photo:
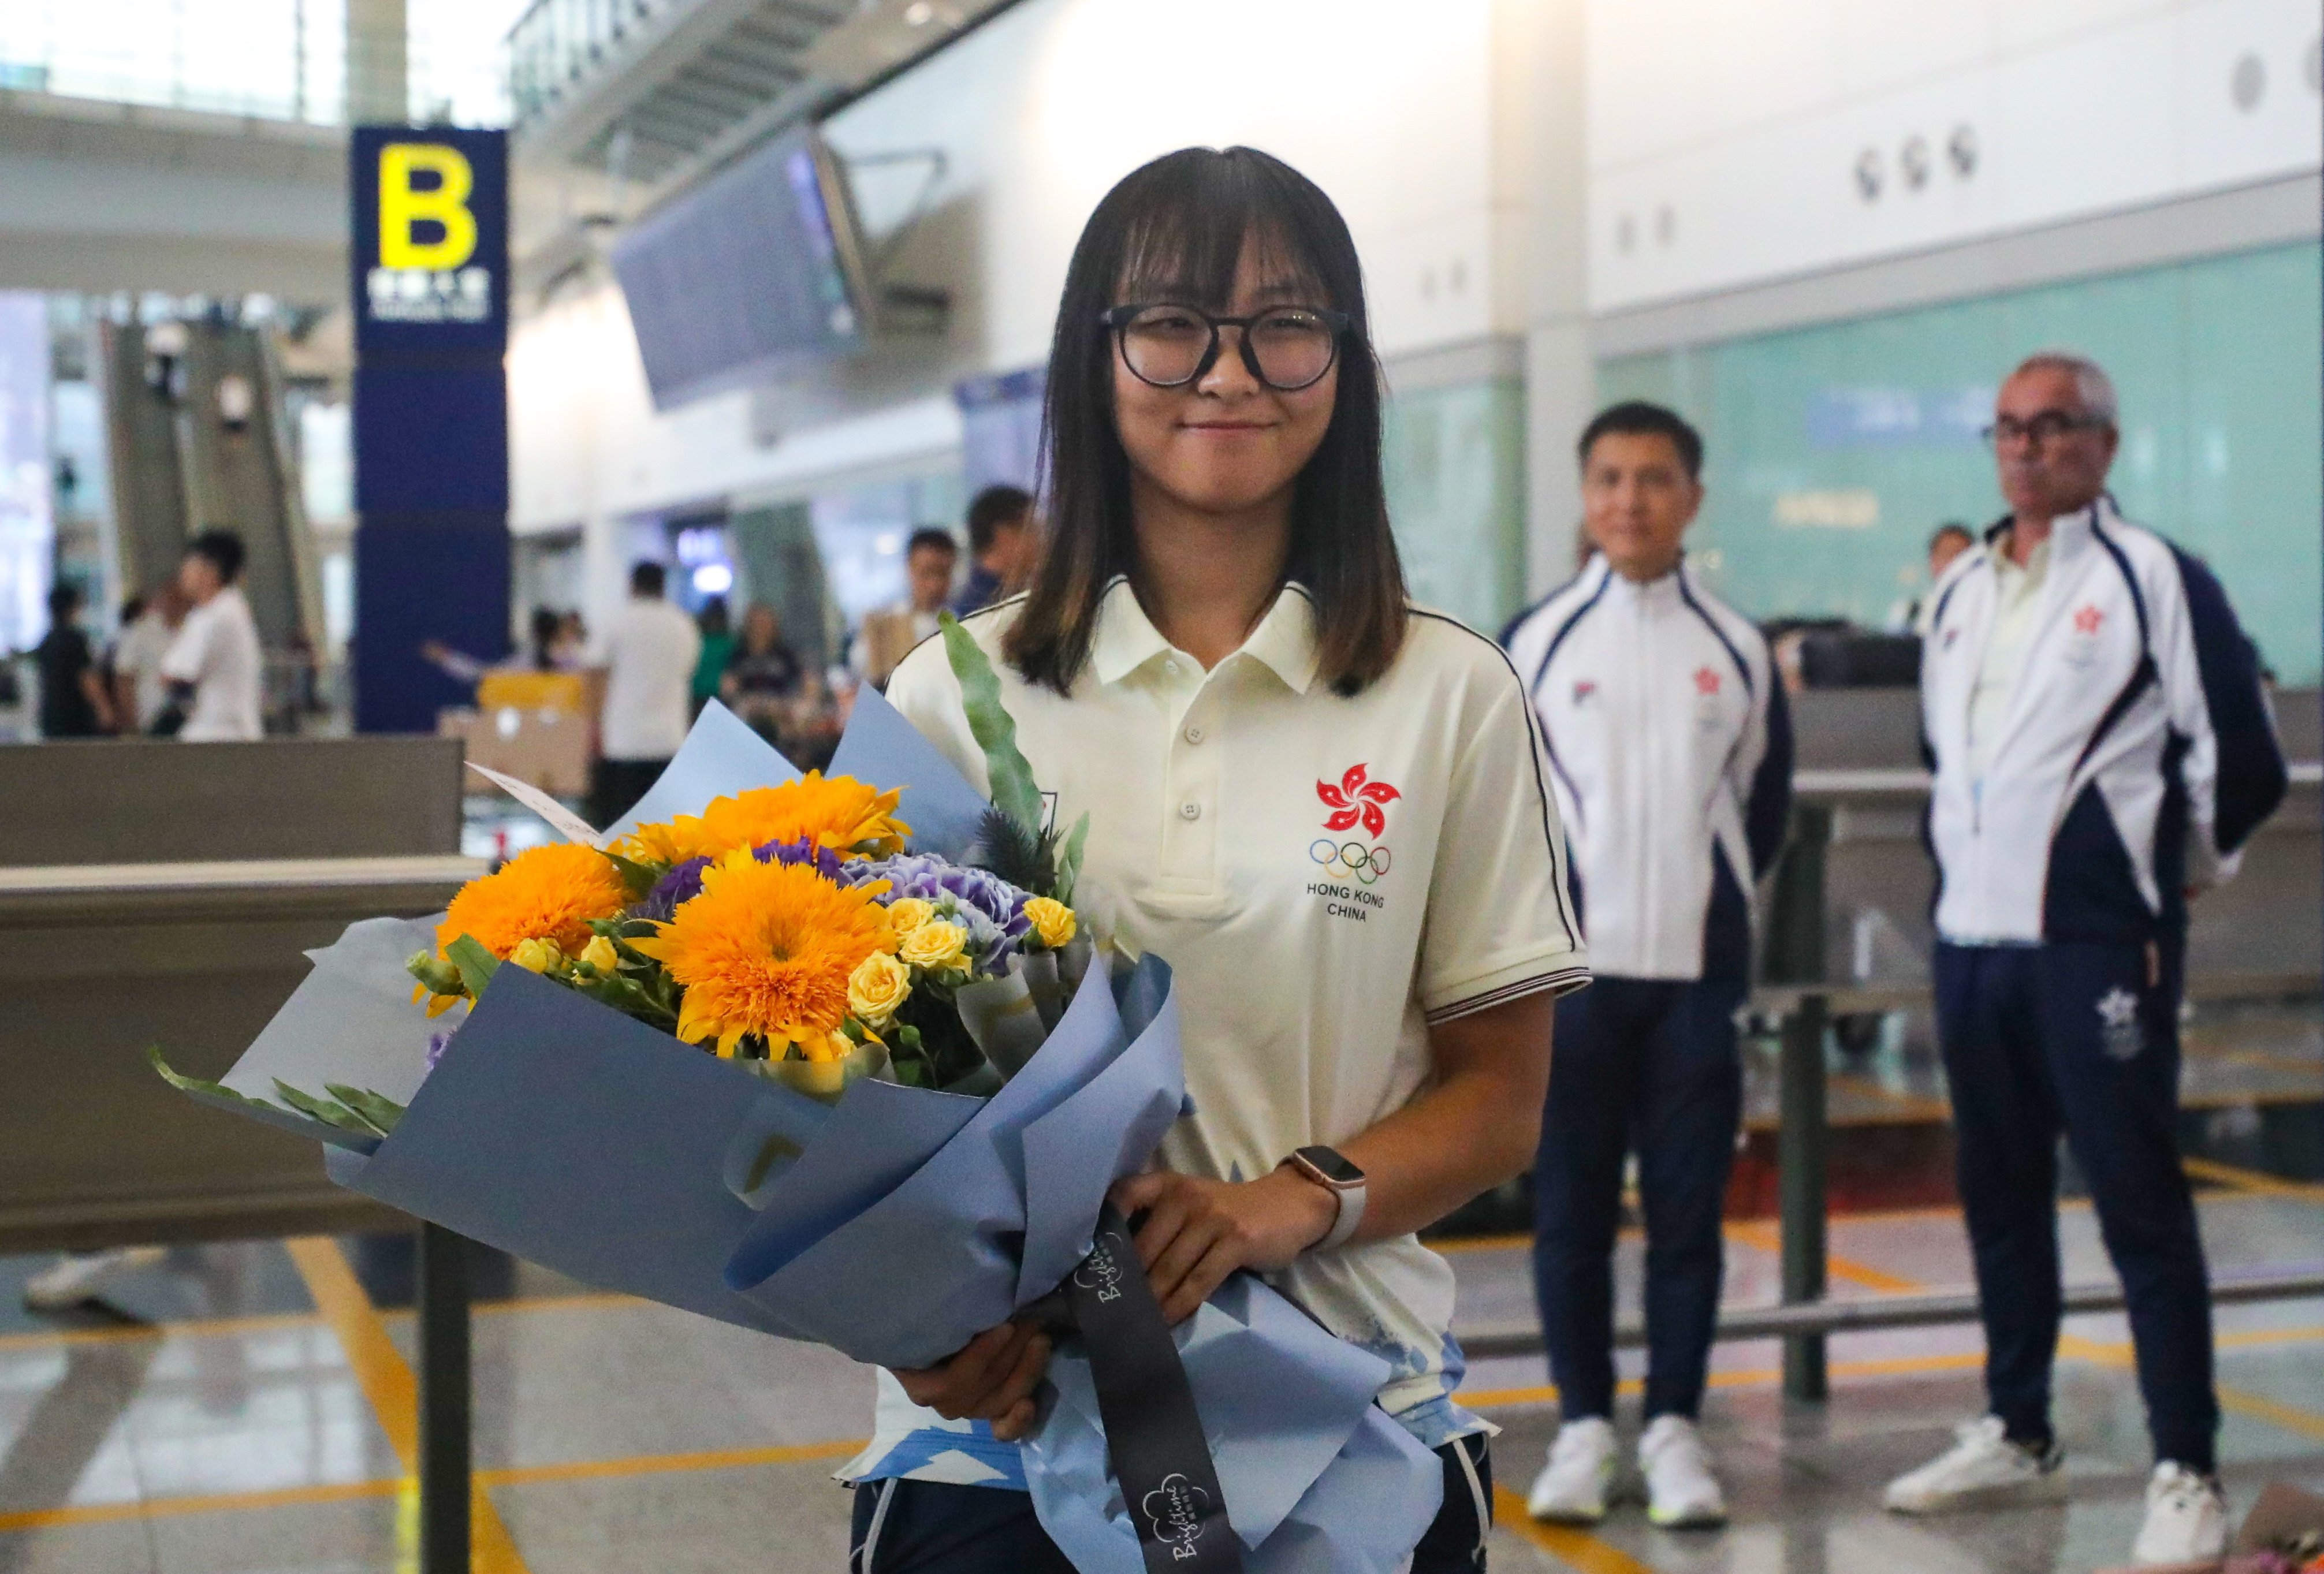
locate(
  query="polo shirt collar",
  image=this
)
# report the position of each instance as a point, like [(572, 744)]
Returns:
[(1284, 642)]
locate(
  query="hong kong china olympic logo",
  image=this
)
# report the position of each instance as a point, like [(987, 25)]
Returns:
[(1355, 799)]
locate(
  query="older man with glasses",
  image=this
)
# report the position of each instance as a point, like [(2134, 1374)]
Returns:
[(2102, 750)]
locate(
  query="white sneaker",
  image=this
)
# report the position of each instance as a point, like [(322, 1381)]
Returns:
[(1573, 1486), (1681, 1490), (1982, 1467), (2186, 1517), (83, 1276)]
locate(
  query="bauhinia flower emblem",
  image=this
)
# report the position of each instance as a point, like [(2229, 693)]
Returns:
[(1357, 798)]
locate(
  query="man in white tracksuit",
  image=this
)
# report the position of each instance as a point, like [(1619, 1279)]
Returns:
[(1671, 753), (2102, 750)]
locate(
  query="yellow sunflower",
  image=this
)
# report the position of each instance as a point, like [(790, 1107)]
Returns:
[(544, 893), (766, 950), (837, 812)]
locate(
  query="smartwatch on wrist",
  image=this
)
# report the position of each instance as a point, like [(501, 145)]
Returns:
[(1331, 1170)]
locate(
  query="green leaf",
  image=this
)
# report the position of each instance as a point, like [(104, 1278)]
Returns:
[(376, 1109), (639, 877), (476, 964), (776, 1147), (1010, 776), (326, 1110), (186, 1085), (1069, 863)]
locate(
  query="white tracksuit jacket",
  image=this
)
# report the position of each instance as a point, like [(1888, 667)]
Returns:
[(1671, 753), (2136, 755)]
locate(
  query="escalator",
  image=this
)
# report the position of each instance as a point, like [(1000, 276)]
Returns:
[(198, 439)]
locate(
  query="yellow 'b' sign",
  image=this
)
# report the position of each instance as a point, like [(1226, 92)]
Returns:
[(402, 206)]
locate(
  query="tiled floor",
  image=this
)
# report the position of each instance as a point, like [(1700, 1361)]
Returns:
[(250, 1408)]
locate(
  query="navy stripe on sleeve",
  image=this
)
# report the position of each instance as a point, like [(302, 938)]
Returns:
[(1768, 813), (2252, 776)]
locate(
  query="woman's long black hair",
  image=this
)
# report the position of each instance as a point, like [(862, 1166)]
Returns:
[(1175, 230)]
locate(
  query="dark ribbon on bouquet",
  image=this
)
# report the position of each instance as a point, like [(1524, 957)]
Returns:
[(1152, 1434)]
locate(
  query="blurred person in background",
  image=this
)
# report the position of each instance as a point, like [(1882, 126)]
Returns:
[(1947, 542), (74, 701), (546, 649), (760, 670), (149, 627), (1002, 542), (648, 654), (214, 667), (1671, 751), (714, 623), (888, 634), (768, 687), (2102, 750)]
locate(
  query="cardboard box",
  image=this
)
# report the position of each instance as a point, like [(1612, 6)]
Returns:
[(547, 747)]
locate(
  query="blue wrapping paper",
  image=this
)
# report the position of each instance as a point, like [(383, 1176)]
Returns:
[(910, 1220)]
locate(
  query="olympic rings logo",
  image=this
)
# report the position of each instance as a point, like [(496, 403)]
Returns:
[(1350, 860)]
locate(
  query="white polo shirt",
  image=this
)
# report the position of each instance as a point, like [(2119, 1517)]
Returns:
[(1326, 875), (648, 651), (216, 650)]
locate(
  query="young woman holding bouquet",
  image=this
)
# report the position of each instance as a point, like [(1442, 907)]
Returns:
[(1323, 807)]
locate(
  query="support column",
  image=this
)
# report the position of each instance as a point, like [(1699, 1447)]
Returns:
[(1540, 187), (379, 79)]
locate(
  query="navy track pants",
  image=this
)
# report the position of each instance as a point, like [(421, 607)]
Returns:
[(2081, 1038), (1650, 1063)]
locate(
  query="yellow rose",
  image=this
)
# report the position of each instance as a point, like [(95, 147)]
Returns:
[(906, 913), (600, 954), (934, 946), (1053, 921), (826, 1046), (540, 956), (878, 988)]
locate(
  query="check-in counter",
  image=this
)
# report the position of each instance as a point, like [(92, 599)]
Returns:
[(163, 894), (1857, 760)]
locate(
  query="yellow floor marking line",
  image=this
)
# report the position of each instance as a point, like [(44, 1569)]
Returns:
[(209, 1502), (386, 1381), (1577, 1549), (262, 1322), (2243, 1402), (2274, 1412), (665, 1464), (191, 1328), (1764, 1237), (2253, 1181)]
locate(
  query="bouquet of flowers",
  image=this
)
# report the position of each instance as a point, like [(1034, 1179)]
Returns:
[(838, 1061)]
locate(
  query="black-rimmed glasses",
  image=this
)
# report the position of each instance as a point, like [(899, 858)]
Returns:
[(2045, 428), (1285, 347)]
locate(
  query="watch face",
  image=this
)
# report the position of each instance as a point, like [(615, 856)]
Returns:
[(1334, 1168)]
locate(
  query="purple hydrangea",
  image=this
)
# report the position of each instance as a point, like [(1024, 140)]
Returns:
[(993, 909), (683, 883)]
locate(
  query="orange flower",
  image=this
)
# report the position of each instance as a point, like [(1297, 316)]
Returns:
[(766, 952), (544, 893), (839, 811)]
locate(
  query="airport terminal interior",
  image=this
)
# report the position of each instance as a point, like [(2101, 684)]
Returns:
[(437, 337)]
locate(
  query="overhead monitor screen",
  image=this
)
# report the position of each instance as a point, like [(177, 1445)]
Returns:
[(747, 276)]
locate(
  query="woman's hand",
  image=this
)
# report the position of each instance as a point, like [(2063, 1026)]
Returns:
[(1197, 1232), (993, 1378)]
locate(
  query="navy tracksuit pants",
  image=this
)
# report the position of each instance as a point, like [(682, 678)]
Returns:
[(2081, 1038), (1650, 1064)]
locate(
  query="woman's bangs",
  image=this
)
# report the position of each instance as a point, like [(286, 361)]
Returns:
[(1187, 248)]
